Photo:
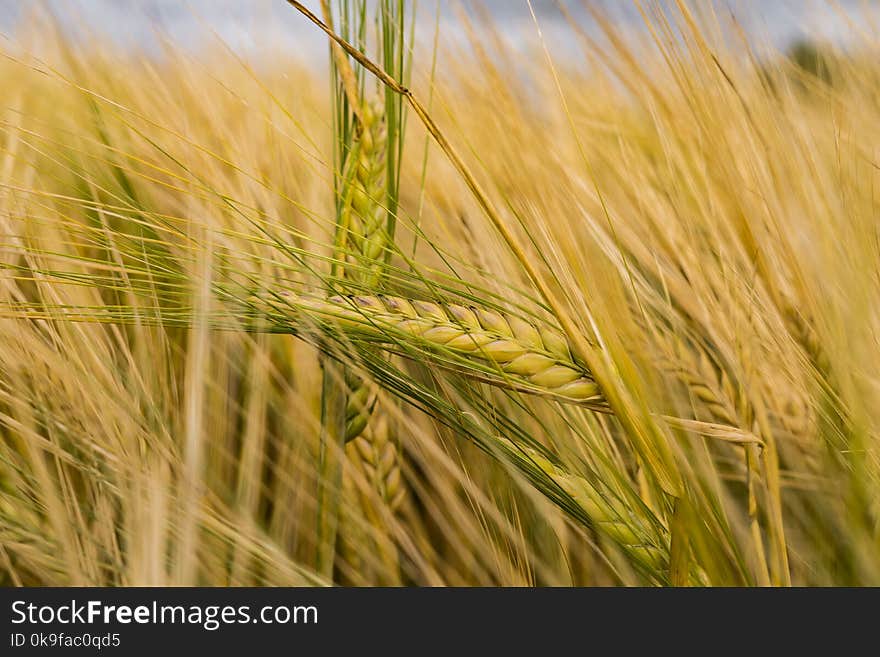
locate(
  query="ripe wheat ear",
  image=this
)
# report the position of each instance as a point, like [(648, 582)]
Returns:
[(527, 357)]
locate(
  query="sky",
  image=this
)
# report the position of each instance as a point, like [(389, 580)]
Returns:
[(260, 27)]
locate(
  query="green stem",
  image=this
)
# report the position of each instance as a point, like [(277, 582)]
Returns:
[(331, 444)]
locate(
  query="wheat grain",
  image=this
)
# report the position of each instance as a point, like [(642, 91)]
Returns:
[(378, 454)]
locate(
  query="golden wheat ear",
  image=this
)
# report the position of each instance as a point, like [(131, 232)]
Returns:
[(500, 349)]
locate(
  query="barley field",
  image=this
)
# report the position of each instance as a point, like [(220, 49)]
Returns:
[(424, 311)]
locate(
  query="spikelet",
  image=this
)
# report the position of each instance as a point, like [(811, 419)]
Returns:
[(360, 405), (378, 454)]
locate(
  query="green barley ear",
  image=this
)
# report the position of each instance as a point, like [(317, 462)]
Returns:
[(363, 213), (369, 134), (644, 542), (366, 240), (363, 235)]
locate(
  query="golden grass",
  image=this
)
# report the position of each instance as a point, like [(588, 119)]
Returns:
[(701, 225)]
